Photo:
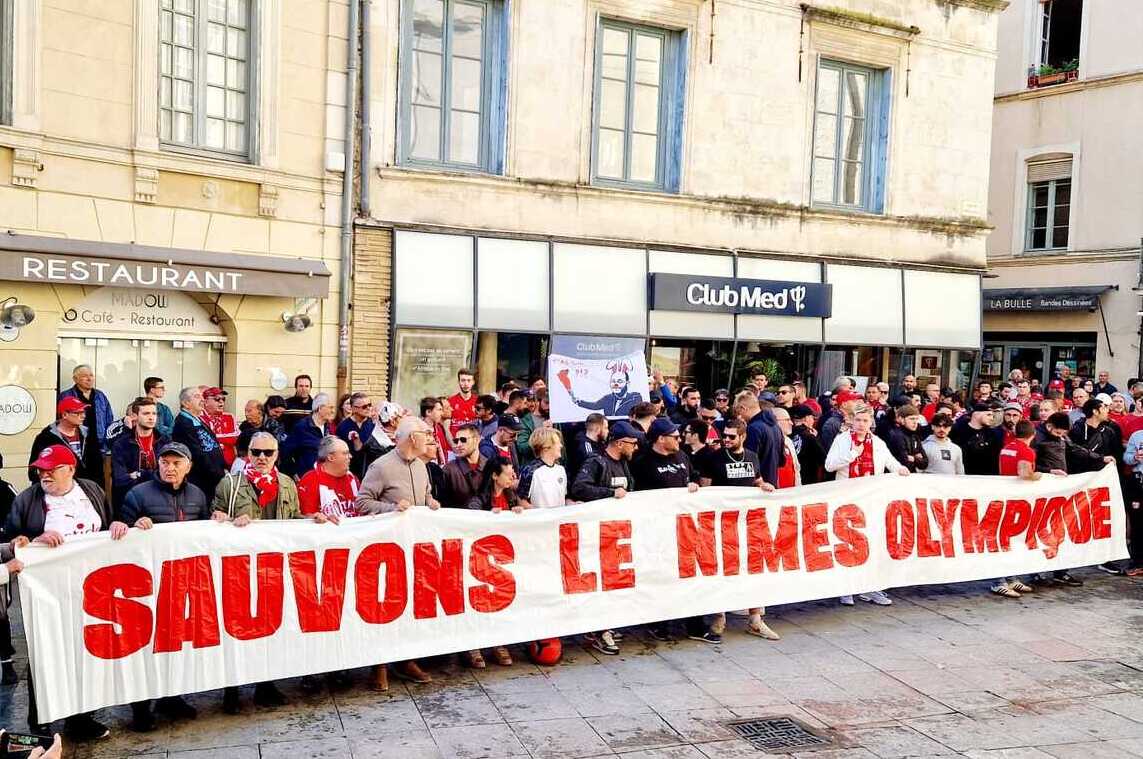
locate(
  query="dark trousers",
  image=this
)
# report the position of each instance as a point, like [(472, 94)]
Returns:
[(1133, 502), (6, 647)]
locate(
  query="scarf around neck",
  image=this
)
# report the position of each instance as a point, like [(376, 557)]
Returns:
[(265, 485), (862, 466)]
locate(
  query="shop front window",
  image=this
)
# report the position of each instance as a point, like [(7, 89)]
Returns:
[(121, 365), (1080, 359)]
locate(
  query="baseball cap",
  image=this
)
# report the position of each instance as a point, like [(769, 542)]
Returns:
[(1056, 385), (660, 427), (1010, 406), (621, 430), (1104, 398), (801, 411), (175, 449), (721, 393), (389, 411), (509, 421), (212, 392), (980, 407), (53, 456), (70, 403), (767, 396), (845, 396)]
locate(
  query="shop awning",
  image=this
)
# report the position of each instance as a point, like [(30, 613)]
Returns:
[(1075, 298), (57, 260)]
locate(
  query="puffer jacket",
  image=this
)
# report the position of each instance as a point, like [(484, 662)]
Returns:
[(162, 503)]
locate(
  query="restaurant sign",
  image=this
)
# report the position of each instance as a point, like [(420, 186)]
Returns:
[(731, 295)]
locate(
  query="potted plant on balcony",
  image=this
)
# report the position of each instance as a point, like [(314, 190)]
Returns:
[(1047, 75)]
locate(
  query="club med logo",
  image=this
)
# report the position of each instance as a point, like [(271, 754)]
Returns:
[(679, 292), (747, 297)]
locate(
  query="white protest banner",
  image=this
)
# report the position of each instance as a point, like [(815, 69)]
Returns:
[(196, 606), (596, 374)]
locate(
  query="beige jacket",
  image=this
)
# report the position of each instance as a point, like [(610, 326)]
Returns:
[(390, 479)]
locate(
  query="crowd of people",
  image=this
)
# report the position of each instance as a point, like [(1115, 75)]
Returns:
[(314, 456)]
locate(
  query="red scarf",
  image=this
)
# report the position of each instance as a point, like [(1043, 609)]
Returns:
[(862, 466), (146, 452), (265, 485)]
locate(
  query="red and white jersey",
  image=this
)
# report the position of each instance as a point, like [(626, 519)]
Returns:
[(332, 496), (225, 429), (71, 514), (462, 411)]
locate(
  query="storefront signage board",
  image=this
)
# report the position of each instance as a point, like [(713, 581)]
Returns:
[(591, 374), (143, 312), (732, 295), (1032, 301), (65, 261), (17, 409), (427, 363)]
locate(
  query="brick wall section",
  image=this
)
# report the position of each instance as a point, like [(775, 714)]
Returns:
[(369, 318)]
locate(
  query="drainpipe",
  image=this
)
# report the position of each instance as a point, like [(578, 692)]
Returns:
[(347, 201), (366, 120)]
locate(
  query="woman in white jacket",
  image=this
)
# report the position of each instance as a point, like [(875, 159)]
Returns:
[(857, 452)]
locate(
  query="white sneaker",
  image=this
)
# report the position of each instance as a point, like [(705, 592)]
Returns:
[(877, 597), (846, 600), (762, 630)]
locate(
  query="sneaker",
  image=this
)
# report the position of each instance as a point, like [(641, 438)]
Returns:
[(230, 701), (762, 630), (174, 707), (617, 636), (84, 727), (267, 694), (340, 680), (502, 657), (1135, 572), (707, 637), (1020, 587), (604, 643), (877, 597), (661, 633), (1063, 578), (10, 676), (1005, 590), (1111, 568), (410, 671), (846, 600)]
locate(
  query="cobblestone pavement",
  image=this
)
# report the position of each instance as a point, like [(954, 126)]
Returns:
[(945, 671)]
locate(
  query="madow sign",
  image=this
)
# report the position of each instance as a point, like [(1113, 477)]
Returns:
[(683, 292)]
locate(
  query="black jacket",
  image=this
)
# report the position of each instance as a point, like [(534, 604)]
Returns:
[(903, 443), (90, 466), (981, 448), (28, 513), (581, 450), (208, 466), (162, 503), (124, 461), (765, 438), (1104, 440), (599, 477), (811, 454)]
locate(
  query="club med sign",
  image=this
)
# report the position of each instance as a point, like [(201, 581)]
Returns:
[(682, 292)]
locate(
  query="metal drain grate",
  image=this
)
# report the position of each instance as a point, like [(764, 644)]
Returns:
[(778, 734)]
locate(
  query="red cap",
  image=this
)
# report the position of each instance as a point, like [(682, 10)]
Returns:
[(53, 456), (847, 395), (1056, 385), (212, 392), (69, 403)]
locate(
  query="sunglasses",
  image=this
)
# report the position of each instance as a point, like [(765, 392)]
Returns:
[(263, 452), (362, 408), (463, 439), (730, 438)]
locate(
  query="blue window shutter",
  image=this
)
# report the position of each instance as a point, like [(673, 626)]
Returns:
[(879, 159), (673, 134)]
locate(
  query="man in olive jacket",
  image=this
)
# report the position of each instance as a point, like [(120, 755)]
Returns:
[(259, 492)]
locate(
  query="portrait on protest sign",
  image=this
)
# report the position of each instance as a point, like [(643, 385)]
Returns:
[(596, 374)]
